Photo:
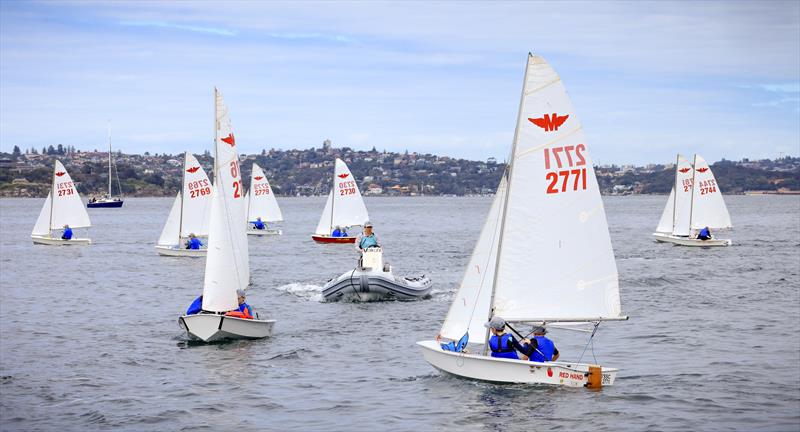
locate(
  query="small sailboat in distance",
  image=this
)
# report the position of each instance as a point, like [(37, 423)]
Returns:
[(108, 201), (544, 254), (190, 212), (228, 260), (63, 208), (695, 203), (344, 208), (262, 207)]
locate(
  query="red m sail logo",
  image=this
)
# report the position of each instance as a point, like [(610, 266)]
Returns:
[(702, 170), (549, 123), (229, 140), (258, 178), (193, 170), (684, 170), (343, 175), (60, 173)]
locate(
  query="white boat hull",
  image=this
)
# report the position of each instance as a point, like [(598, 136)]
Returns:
[(501, 370), (264, 232), (375, 285), (55, 241), (687, 241), (211, 327), (180, 252)]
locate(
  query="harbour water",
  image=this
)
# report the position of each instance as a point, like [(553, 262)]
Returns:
[(89, 338)]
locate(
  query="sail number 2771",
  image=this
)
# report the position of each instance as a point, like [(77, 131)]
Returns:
[(237, 182), (562, 161)]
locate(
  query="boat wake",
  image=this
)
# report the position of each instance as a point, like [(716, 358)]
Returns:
[(304, 291)]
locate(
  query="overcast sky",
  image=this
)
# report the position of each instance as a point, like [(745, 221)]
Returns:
[(647, 80)]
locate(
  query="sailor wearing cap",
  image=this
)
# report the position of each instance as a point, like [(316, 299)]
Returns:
[(244, 311), (367, 238), (502, 344), (540, 348)]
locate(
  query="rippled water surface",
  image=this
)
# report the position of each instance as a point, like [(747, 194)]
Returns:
[(89, 338)]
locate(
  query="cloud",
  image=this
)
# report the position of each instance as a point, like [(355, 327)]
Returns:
[(313, 36), (781, 88), (186, 27)]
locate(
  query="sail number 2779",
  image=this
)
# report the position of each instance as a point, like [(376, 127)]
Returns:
[(563, 162)]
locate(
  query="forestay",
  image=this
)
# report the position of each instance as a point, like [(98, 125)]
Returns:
[(345, 206), (555, 258), (471, 303), (261, 200), (227, 262), (684, 174), (708, 207)]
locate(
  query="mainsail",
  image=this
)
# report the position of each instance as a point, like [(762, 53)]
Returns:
[(227, 262), (192, 206), (555, 260), (708, 207), (261, 200), (345, 206), (684, 172)]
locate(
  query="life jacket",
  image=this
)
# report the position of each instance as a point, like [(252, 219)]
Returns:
[(244, 312), (195, 243), (544, 350), (67, 234), (367, 241), (259, 224), (501, 346), (336, 233), (704, 234), (196, 306)]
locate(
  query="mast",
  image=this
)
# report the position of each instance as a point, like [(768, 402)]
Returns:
[(508, 172), (691, 201), (333, 197), (180, 191), (216, 128), (109, 159), (675, 195)]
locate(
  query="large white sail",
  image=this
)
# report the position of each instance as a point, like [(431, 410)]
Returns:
[(227, 262), (169, 234), (42, 227), (555, 255), (683, 196), (708, 207), (68, 208), (196, 198), (471, 302), (261, 200), (668, 215), (345, 206)]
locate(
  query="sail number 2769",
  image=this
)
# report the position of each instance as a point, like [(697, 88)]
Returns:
[(563, 162)]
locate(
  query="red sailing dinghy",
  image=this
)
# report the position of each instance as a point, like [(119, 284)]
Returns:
[(345, 208)]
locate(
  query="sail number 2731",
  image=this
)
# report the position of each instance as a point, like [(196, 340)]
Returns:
[(562, 174), (237, 182), (65, 188)]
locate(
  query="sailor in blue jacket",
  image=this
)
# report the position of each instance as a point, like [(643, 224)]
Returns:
[(705, 234), (540, 348), (258, 224), (193, 242), (502, 344), (339, 232), (367, 238), (67, 233)]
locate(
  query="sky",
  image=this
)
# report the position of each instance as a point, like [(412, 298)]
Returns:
[(647, 79)]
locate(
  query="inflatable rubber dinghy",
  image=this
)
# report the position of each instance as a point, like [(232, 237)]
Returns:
[(373, 280)]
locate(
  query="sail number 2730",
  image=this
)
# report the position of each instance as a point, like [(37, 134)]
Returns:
[(237, 182), (562, 174), (347, 187)]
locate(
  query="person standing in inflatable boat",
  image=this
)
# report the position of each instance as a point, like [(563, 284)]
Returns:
[(367, 238)]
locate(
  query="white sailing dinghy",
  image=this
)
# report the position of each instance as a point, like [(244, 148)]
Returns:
[(261, 203), (227, 264), (63, 206), (190, 212), (345, 207), (694, 203), (544, 254)]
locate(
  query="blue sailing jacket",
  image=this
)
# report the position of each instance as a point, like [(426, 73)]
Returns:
[(194, 243), (545, 348), (258, 224), (704, 234), (196, 306), (67, 234), (503, 346)]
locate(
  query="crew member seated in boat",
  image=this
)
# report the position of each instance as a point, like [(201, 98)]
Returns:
[(244, 311), (193, 242), (67, 233), (705, 234), (92, 199), (503, 344), (367, 238), (257, 224), (339, 232), (540, 348)]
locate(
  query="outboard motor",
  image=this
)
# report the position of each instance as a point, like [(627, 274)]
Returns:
[(372, 258)]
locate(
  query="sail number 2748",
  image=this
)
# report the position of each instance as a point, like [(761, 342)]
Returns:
[(561, 163)]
